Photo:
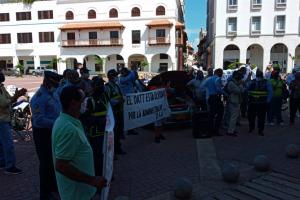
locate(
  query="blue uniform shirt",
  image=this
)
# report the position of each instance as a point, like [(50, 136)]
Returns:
[(58, 91), (126, 83), (45, 109), (213, 86)]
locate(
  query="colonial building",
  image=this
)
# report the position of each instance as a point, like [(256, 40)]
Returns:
[(254, 31), (103, 34)]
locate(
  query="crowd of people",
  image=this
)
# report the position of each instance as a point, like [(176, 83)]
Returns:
[(255, 95), (68, 126), (69, 118)]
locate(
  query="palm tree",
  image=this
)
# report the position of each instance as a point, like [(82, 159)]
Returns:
[(53, 63)]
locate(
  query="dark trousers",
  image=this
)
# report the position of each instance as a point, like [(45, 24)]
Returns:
[(294, 107), (201, 103), (259, 111), (42, 141), (274, 110), (244, 104), (216, 111), (97, 146), (118, 130)]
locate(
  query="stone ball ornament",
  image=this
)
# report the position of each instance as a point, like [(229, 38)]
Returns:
[(262, 163), (183, 189), (230, 173), (292, 151)]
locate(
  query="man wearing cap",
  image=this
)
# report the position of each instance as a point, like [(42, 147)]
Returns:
[(116, 100), (71, 78), (86, 83), (7, 153), (45, 111)]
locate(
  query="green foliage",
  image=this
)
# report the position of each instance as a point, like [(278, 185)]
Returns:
[(98, 60), (235, 65), (54, 62), (29, 2), (144, 63), (20, 67), (253, 66)]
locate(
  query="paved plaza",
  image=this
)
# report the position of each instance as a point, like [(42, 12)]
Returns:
[(149, 170)]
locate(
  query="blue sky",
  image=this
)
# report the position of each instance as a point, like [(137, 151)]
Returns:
[(195, 18)]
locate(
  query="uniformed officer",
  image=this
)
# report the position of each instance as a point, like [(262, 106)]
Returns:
[(95, 120), (116, 100), (260, 94), (45, 111), (85, 82)]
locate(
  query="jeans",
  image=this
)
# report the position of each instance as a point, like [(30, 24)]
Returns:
[(294, 107), (7, 152), (234, 110), (216, 111), (274, 110)]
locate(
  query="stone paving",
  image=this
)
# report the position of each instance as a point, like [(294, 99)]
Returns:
[(149, 170)]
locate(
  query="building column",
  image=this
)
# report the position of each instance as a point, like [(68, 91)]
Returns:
[(15, 61), (103, 64), (218, 57), (61, 67), (37, 61), (243, 55), (266, 58)]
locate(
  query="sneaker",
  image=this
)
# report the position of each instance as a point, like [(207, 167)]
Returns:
[(232, 134), (2, 167), (162, 137), (13, 171), (271, 124), (281, 124), (261, 133)]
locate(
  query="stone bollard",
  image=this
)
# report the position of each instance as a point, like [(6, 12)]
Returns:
[(184, 189), (121, 198), (261, 163), (292, 151), (230, 173)]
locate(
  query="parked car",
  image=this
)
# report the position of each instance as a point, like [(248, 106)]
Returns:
[(11, 72), (39, 71), (179, 100)]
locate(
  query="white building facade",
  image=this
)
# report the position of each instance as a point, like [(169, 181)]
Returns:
[(254, 31), (102, 35)]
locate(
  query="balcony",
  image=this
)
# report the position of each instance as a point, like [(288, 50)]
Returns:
[(24, 46), (179, 41), (159, 41), (92, 43)]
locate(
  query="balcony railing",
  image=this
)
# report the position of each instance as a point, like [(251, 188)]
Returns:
[(92, 42), (159, 41)]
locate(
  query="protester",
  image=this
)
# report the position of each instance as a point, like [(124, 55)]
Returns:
[(158, 125), (215, 104), (127, 83), (86, 83), (127, 80), (294, 98), (116, 99), (269, 70), (71, 78), (278, 87), (235, 90), (7, 152), (95, 121), (199, 94), (139, 86), (45, 111), (72, 153), (260, 94)]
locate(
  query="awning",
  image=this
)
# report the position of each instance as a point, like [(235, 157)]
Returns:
[(92, 25), (179, 25), (157, 23)]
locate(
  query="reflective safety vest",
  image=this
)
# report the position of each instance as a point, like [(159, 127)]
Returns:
[(258, 91), (277, 86), (114, 92), (97, 119)]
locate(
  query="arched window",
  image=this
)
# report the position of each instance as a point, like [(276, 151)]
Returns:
[(135, 12), (160, 10), (113, 13), (92, 14), (69, 15)]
